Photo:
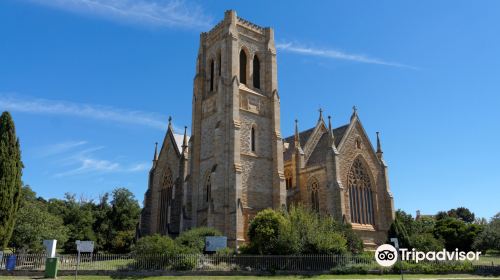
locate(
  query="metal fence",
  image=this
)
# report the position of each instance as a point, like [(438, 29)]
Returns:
[(129, 262)]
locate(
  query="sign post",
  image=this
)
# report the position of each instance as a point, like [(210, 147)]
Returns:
[(214, 243), (83, 247)]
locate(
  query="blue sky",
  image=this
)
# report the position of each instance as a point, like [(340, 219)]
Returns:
[(91, 83)]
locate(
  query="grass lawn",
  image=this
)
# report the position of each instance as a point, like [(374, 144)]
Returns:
[(415, 276)]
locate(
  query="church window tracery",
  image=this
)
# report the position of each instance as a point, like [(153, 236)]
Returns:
[(360, 194), (165, 201)]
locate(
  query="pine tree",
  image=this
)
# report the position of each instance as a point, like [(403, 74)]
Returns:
[(10, 177), (399, 231)]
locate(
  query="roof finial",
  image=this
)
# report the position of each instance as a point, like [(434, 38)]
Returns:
[(330, 131), (297, 136), (330, 124), (296, 131), (170, 123), (320, 114), (354, 112), (155, 157), (379, 147), (185, 140)]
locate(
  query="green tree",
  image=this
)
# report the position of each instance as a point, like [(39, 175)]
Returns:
[(489, 238), (460, 213), (10, 177), (441, 215), (406, 220), (424, 225), (426, 242), (79, 219), (398, 230), (463, 214), (124, 216), (456, 233), (35, 224), (102, 225)]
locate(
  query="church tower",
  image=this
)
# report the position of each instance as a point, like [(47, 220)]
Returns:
[(236, 146)]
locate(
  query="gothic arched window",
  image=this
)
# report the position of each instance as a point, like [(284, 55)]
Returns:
[(212, 73), (253, 138), (360, 194), (243, 67), (165, 201), (288, 179), (208, 187), (315, 195), (256, 72)]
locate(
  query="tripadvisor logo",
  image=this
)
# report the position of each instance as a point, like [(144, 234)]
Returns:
[(387, 255)]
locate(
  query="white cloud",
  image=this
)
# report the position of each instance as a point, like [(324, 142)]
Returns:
[(85, 162), (60, 148), (163, 13), (89, 111), (335, 54), (139, 167)]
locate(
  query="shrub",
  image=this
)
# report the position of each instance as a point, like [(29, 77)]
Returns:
[(298, 231), (265, 233), (155, 245), (225, 252), (161, 252), (315, 234), (149, 251), (352, 269), (194, 239), (354, 242), (325, 241), (426, 242), (433, 267)]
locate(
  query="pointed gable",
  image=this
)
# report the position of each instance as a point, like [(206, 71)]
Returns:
[(304, 136), (313, 140), (355, 126), (170, 141), (318, 154)]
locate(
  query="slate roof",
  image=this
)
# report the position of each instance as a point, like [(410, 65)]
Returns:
[(179, 138), (322, 145)]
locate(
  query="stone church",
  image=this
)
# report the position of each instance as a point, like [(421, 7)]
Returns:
[(236, 162)]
